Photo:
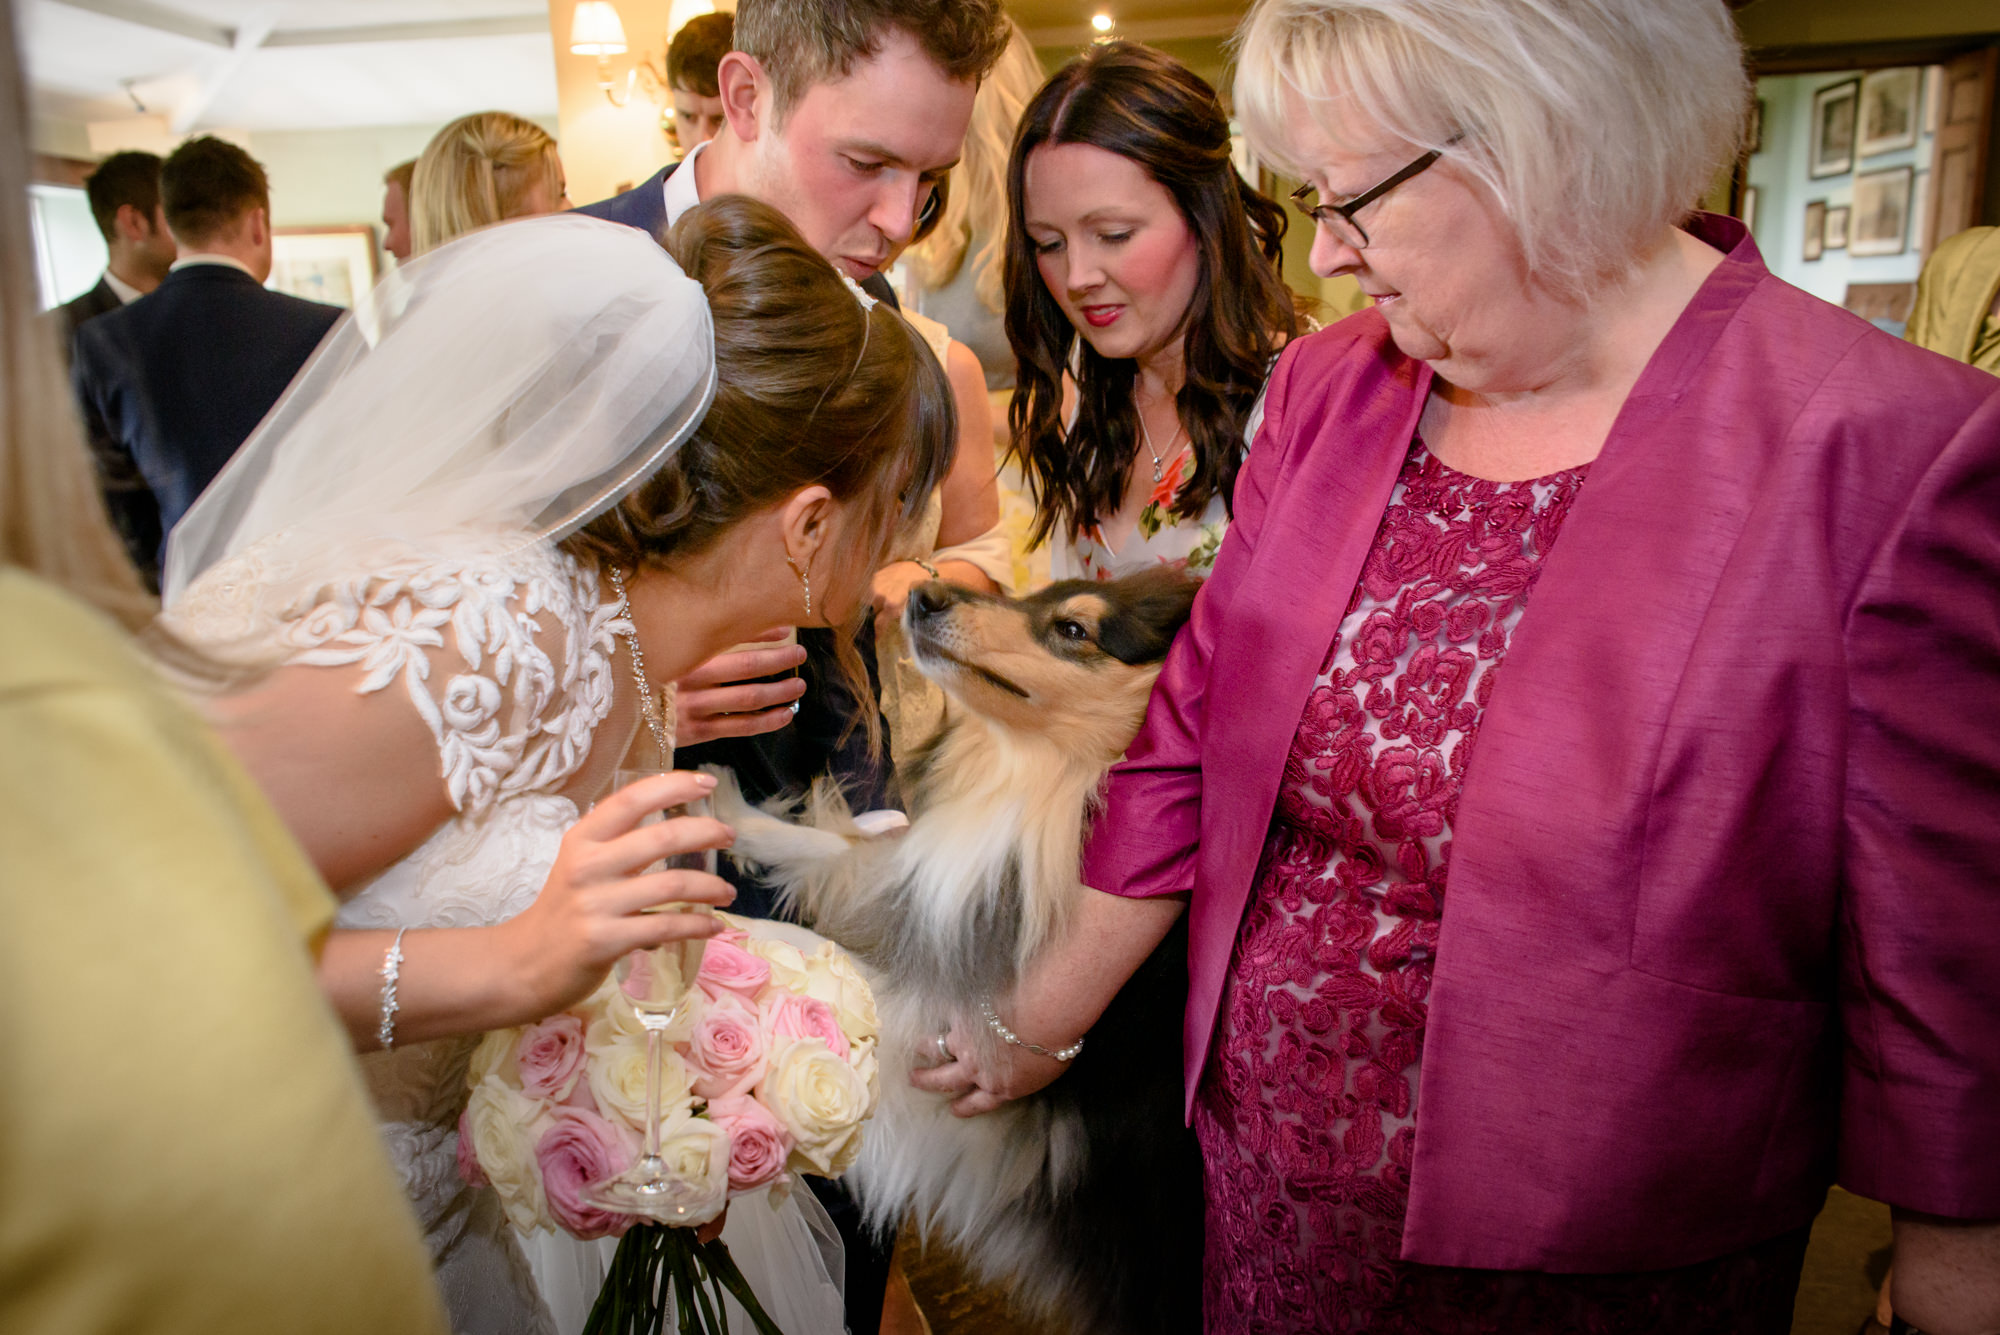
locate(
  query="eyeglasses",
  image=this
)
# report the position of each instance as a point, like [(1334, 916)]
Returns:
[(1339, 218)]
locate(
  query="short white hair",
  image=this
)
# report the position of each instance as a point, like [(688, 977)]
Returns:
[(1596, 123)]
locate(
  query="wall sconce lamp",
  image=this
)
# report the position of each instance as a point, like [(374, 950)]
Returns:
[(595, 30)]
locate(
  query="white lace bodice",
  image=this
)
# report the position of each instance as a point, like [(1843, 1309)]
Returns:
[(506, 652)]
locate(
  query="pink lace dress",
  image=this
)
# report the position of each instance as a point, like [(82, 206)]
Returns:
[(1307, 1110)]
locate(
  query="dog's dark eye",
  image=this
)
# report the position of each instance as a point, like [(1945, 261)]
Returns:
[(1071, 630)]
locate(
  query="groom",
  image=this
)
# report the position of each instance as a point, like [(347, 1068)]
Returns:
[(844, 115)]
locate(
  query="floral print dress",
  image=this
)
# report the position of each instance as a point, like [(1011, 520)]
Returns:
[(1161, 537), (1308, 1106)]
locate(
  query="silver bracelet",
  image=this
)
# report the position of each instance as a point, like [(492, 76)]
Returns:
[(929, 569), (999, 1026), (392, 969)]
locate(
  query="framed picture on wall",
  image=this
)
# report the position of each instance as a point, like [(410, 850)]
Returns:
[(1815, 230), (330, 264), (1836, 228), (1833, 112), (1746, 209), (1753, 133), (1891, 110), (1881, 224)]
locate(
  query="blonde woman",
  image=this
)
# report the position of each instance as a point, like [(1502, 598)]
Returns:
[(483, 169), (956, 271), (221, 1173)]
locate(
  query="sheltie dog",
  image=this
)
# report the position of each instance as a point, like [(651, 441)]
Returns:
[(1083, 1201)]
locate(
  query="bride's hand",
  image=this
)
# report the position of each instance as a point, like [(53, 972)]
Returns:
[(591, 908), (723, 698), (978, 1075)]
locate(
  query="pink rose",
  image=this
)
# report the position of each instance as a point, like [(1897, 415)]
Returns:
[(727, 967), (550, 1057), (796, 1016), (758, 1141), (579, 1149), (726, 1053), (468, 1158)]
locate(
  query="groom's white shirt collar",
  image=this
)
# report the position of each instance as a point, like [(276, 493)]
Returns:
[(679, 188)]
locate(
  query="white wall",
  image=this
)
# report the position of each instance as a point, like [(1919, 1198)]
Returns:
[(329, 177)]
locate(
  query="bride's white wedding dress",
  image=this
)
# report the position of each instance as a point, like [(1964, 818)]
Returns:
[(504, 648)]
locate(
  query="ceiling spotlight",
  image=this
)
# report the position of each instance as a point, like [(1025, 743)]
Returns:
[(1101, 22)]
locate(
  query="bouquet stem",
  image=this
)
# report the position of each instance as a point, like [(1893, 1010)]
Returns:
[(654, 1261)]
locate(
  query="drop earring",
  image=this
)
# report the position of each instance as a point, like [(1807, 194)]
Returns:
[(804, 583)]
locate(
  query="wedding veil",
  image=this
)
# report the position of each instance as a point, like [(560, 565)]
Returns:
[(521, 379)]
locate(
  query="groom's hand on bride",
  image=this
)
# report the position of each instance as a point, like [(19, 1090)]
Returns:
[(725, 698), (593, 908)]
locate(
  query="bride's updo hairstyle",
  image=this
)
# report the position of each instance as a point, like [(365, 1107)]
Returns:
[(811, 388)]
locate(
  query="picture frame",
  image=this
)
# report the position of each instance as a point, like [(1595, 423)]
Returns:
[(1881, 220), (1891, 111), (1834, 109), (1815, 242), (1753, 131), (1835, 234), (333, 265), (1746, 209)]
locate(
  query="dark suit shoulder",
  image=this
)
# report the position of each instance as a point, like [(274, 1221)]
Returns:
[(99, 300), (644, 206)]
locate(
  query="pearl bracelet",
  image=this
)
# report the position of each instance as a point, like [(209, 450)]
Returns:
[(392, 969), (999, 1026)]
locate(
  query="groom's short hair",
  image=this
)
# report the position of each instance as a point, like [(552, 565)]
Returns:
[(803, 42)]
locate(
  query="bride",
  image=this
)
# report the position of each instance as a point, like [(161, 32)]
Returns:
[(538, 472)]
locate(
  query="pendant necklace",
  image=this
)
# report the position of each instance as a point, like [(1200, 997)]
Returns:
[(1159, 464)]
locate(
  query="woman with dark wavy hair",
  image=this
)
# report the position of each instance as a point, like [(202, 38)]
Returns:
[(1145, 308)]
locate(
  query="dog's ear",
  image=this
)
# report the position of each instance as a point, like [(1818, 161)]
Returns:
[(1146, 611)]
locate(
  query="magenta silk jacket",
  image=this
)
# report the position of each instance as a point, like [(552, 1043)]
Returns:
[(1723, 915)]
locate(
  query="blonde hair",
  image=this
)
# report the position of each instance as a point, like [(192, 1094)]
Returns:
[(476, 171), (52, 520), (1596, 123), (976, 205)]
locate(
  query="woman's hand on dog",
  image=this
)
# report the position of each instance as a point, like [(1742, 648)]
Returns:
[(979, 1075)]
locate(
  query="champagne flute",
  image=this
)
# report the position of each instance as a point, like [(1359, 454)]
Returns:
[(660, 985)]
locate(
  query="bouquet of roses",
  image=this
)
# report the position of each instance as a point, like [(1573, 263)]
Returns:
[(767, 1072)]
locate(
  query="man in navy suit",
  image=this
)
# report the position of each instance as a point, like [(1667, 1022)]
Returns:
[(844, 115), (174, 383), (124, 195)]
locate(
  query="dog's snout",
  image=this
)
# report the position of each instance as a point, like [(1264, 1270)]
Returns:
[(929, 599)]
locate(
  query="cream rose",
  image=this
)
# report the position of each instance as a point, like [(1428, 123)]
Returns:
[(505, 1126), (494, 1058), (788, 963), (615, 1066), (821, 1099), (696, 1151)]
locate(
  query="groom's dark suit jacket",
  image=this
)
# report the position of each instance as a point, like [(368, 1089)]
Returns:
[(818, 741)]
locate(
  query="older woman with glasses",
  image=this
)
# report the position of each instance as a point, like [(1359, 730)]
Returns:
[(1552, 997)]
